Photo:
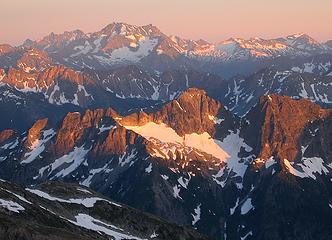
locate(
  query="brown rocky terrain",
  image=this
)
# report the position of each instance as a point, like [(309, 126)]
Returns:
[(6, 134), (6, 48), (34, 132), (192, 112), (34, 60), (280, 122), (44, 79)]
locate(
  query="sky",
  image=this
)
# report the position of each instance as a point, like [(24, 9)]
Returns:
[(212, 20)]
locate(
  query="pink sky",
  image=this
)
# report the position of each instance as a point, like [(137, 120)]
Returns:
[(213, 20)]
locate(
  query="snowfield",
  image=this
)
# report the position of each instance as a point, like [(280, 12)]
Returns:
[(203, 142)]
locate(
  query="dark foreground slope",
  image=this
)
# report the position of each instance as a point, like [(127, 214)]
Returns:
[(67, 211)]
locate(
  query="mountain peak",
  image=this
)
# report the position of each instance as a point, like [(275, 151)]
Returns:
[(297, 35), (121, 28), (280, 121), (302, 41), (6, 48), (192, 92)]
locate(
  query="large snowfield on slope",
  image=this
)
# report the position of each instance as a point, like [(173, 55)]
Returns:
[(203, 142)]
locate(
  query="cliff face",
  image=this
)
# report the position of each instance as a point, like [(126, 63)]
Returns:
[(35, 132), (192, 112), (280, 123), (42, 80), (6, 135)]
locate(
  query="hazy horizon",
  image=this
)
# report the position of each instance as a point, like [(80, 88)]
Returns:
[(211, 20)]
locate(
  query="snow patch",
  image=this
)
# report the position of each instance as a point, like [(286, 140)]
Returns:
[(307, 167), (270, 162), (127, 159), (196, 215), (232, 144), (103, 128), (18, 196), (38, 146), (165, 177), (69, 163), (149, 168), (176, 192), (165, 134), (88, 222), (183, 182), (11, 206), (87, 202), (125, 54), (87, 182), (246, 206)]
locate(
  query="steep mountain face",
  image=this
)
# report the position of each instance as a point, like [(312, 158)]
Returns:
[(193, 163), (133, 82), (319, 64), (35, 87), (289, 183), (282, 128), (9, 55), (67, 211), (34, 71), (120, 111), (5, 48), (56, 83), (243, 93), (303, 41), (19, 110), (34, 60)]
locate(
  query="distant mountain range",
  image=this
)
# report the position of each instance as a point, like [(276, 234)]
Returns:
[(119, 43), (123, 44)]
